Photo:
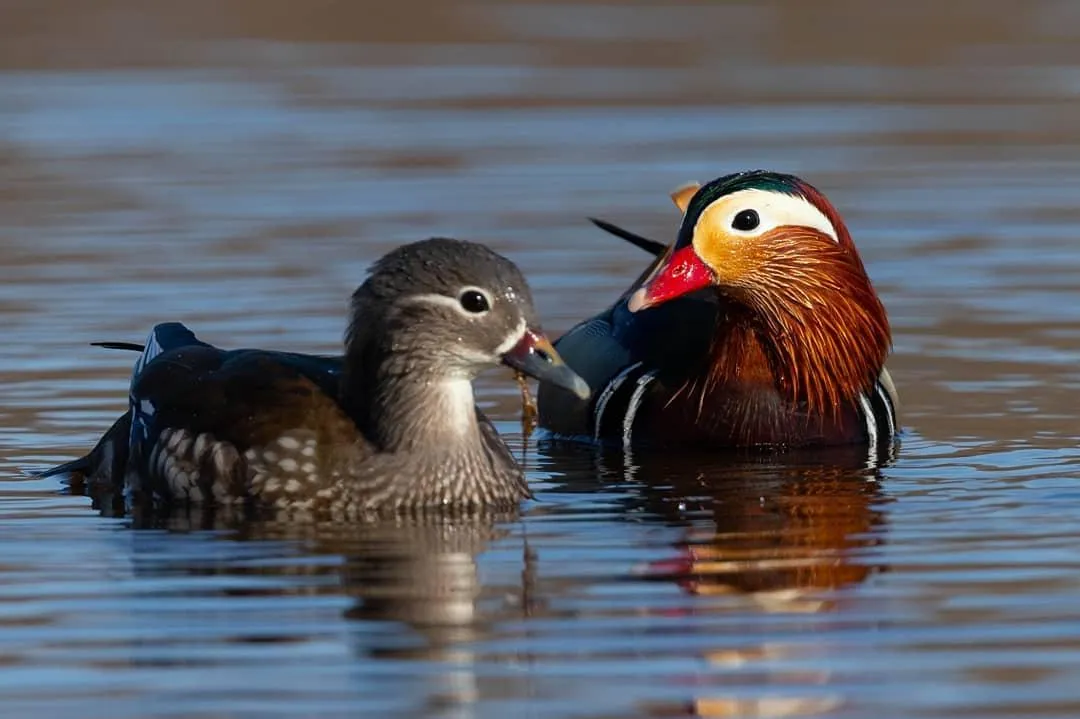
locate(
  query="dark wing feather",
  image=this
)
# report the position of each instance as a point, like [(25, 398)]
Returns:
[(133, 346), (597, 355), (174, 335), (231, 424), (245, 397), (651, 246), (181, 382)]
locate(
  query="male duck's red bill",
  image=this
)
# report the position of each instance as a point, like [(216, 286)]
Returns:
[(682, 274)]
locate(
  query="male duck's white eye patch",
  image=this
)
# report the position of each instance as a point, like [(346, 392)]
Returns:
[(751, 213)]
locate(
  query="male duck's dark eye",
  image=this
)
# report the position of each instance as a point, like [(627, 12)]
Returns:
[(746, 220), (474, 301)]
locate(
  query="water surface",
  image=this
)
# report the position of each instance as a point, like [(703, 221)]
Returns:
[(237, 165)]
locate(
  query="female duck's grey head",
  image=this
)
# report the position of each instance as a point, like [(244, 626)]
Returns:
[(454, 308)]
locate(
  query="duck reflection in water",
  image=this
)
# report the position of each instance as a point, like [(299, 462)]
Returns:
[(777, 533), (768, 526), (413, 584)]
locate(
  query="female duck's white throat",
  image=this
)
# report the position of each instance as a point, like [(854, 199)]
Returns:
[(457, 404)]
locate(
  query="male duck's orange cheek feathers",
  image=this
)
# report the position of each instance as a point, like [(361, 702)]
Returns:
[(683, 273)]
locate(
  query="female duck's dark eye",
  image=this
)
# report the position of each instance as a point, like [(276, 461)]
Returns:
[(746, 220), (474, 301)]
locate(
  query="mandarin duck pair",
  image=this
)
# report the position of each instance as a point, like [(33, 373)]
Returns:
[(757, 327)]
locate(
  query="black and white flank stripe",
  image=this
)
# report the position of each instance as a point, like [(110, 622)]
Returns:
[(615, 408), (878, 409)]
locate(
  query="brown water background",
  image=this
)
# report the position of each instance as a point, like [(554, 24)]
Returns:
[(237, 164)]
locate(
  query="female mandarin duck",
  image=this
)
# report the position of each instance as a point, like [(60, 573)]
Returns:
[(390, 426), (758, 326)]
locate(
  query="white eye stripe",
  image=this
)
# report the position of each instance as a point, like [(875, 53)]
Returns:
[(435, 299), (452, 302), (774, 209)]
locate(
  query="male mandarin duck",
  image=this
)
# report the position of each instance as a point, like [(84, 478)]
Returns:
[(391, 425), (758, 326)]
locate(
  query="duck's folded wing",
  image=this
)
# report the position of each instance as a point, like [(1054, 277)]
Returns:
[(209, 423), (591, 350)]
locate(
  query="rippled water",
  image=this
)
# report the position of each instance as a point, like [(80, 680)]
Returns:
[(236, 165)]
